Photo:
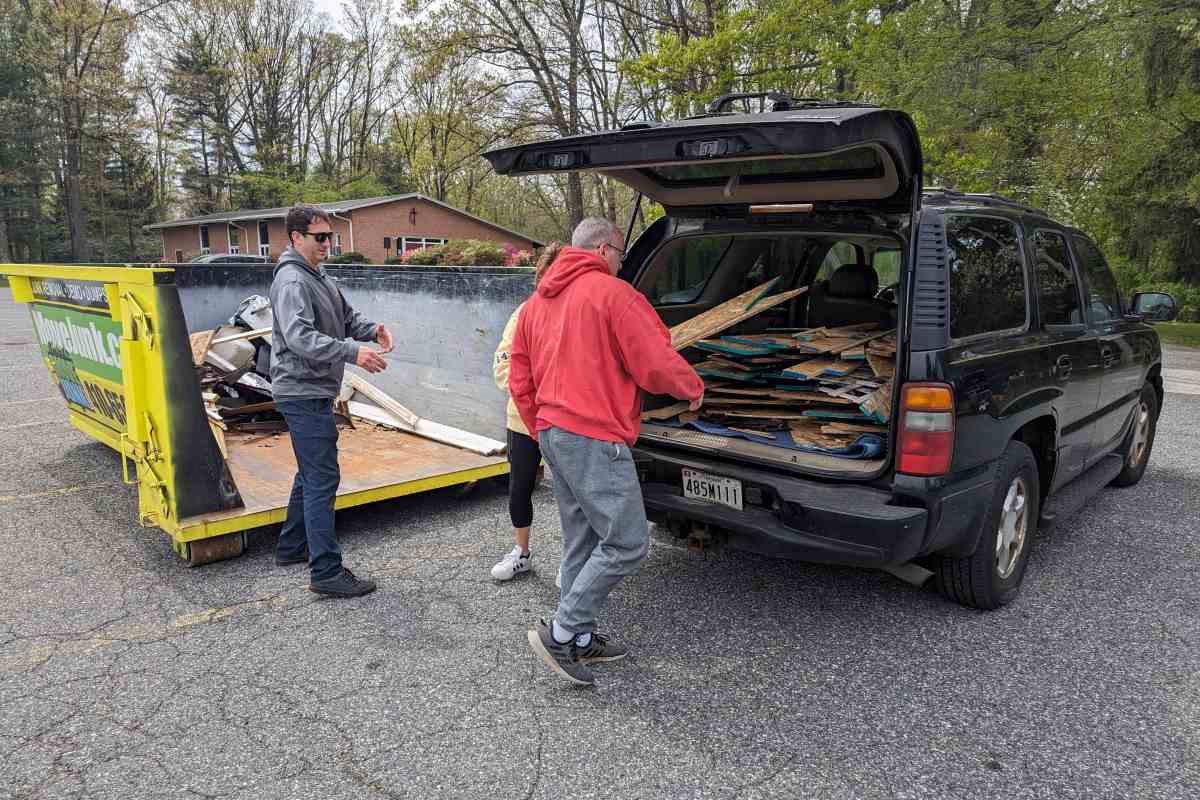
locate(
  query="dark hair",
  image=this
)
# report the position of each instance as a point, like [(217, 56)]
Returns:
[(300, 217), (545, 260)]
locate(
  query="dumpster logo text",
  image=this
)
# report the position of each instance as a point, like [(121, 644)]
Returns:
[(83, 352), (77, 293)]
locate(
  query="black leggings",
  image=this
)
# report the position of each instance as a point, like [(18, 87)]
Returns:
[(523, 459)]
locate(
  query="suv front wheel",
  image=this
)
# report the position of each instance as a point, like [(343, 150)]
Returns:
[(991, 576)]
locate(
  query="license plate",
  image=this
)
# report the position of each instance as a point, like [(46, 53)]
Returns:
[(712, 488)]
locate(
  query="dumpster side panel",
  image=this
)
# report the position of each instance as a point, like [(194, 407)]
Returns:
[(446, 323)]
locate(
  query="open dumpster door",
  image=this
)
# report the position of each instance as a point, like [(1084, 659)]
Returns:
[(116, 344)]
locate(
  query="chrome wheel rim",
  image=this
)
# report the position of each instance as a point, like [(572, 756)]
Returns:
[(1014, 526), (1141, 435)]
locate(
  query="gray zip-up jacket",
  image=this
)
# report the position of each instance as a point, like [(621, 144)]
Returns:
[(309, 345)]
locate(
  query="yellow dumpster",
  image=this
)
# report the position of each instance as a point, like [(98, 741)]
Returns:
[(116, 343)]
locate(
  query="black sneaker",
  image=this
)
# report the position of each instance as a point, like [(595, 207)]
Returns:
[(562, 658), (287, 561), (600, 649), (342, 585)]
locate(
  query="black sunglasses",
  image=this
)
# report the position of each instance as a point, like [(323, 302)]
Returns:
[(321, 238)]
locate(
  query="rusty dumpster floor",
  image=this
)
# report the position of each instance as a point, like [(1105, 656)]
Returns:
[(125, 674)]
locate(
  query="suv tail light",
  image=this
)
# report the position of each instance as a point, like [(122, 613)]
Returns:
[(925, 441)]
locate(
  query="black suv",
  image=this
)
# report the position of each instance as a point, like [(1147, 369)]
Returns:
[(1022, 385)]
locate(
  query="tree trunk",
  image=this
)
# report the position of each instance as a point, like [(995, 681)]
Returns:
[(72, 187), (5, 250)]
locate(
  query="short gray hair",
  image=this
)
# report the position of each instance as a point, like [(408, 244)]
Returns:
[(593, 232)]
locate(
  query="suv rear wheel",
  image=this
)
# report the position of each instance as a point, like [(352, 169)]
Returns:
[(991, 576), (1141, 439)]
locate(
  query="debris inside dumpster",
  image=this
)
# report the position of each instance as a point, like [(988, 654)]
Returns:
[(233, 363)]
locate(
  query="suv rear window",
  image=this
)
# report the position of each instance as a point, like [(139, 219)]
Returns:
[(858, 163), (987, 275)]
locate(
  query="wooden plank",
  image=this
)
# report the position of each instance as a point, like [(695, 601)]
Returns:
[(236, 337), (813, 398), (249, 408), (882, 366), (879, 405), (853, 427), (428, 430), (218, 432), (214, 418), (201, 341), (383, 400), (811, 369), (728, 314), (666, 412)]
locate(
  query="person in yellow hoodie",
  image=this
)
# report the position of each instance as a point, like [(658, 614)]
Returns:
[(524, 457)]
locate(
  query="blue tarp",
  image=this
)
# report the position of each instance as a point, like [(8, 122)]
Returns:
[(867, 445)]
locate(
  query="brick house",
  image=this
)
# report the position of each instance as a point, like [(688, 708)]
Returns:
[(377, 227)]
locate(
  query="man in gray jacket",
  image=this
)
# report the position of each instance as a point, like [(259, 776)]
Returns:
[(312, 342)]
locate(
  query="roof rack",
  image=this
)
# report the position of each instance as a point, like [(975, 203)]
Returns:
[(779, 101), (983, 198)]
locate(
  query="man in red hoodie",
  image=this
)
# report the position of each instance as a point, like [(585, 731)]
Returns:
[(586, 345)]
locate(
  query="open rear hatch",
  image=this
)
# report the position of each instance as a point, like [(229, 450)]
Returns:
[(784, 397), (826, 153)]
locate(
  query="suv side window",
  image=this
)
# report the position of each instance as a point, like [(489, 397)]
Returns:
[(987, 275), (689, 266), (1058, 289), (1103, 296)]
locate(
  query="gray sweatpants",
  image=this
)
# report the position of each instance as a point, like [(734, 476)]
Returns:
[(605, 533)]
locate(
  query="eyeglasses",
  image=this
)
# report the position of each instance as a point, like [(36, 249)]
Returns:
[(321, 238), (620, 250)]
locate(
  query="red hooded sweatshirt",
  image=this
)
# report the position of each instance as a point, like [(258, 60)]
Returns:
[(585, 342)]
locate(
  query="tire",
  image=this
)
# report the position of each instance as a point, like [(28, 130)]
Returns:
[(1141, 439), (991, 576)]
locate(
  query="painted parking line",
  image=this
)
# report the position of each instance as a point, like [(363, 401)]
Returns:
[(1181, 381)]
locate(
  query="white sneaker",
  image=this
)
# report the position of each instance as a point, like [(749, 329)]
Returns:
[(512, 564), (558, 576)]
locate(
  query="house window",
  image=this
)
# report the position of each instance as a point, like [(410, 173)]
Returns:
[(337, 244), (264, 238), (408, 243), (178, 256), (204, 240), (234, 242)]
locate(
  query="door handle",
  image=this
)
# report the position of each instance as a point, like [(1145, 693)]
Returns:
[(1063, 366), (1108, 357)]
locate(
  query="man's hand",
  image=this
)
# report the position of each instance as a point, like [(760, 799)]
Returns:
[(695, 404), (369, 360), (384, 337)]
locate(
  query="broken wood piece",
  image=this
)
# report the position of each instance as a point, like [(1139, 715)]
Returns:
[(383, 400), (235, 337), (218, 432), (728, 314), (878, 406), (428, 430), (215, 419), (246, 410), (201, 340), (853, 427), (881, 366), (666, 412)]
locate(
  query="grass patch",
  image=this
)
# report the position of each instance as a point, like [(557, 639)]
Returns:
[(1186, 334)]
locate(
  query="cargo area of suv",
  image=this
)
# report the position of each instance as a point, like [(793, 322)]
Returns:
[(805, 380)]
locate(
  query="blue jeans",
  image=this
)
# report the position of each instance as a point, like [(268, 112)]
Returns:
[(310, 509), (604, 528)]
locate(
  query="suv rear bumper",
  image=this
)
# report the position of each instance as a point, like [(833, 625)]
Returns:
[(788, 516)]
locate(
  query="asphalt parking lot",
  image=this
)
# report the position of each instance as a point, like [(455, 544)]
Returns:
[(125, 674)]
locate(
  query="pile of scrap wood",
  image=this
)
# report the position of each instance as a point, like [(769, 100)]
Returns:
[(233, 363), (823, 387)]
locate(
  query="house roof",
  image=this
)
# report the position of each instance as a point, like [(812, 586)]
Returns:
[(337, 207)]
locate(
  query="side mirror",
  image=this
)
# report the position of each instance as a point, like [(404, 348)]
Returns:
[(1154, 306)]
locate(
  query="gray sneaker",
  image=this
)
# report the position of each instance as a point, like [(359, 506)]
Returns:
[(562, 658), (344, 584), (600, 649)]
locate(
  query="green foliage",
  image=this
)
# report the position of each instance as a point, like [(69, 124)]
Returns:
[(352, 257), (457, 253), (1185, 334)]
